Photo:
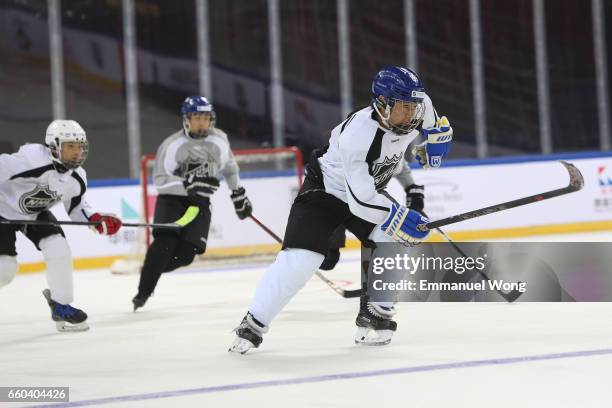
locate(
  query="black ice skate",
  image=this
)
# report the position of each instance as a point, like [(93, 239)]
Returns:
[(66, 317), (375, 326), (139, 301), (248, 335)]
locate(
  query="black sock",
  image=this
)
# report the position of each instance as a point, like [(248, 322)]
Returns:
[(158, 256)]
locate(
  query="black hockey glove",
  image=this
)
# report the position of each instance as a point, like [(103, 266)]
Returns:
[(242, 204), (200, 186), (415, 195)]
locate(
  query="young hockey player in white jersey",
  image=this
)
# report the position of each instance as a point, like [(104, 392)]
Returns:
[(32, 181), (187, 168), (346, 185)]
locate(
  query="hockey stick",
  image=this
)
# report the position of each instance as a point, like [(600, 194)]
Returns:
[(336, 288), (190, 214), (508, 297), (576, 183)]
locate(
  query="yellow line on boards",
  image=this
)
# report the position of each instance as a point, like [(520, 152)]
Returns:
[(475, 235)]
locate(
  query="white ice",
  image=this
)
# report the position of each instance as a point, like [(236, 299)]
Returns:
[(173, 352)]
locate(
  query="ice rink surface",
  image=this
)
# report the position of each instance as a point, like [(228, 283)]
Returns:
[(173, 352)]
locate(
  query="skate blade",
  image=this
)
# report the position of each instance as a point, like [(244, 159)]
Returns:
[(368, 337), (69, 327), (240, 346)]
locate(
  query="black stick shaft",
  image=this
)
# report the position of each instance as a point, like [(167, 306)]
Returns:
[(576, 183), (85, 223), (496, 208), (509, 297)]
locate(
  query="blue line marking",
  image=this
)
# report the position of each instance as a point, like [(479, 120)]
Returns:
[(332, 377)]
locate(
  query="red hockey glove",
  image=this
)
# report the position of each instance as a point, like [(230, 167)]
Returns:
[(109, 224)]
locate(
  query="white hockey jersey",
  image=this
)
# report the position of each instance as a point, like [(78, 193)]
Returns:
[(361, 159), (180, 155), (29, 184)]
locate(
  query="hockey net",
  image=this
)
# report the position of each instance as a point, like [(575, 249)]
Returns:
[(271, 177)]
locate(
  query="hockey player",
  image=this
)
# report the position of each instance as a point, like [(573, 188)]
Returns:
[(345, 185), (32, 181), (186, 173)]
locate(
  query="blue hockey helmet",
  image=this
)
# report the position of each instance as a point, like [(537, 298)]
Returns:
[(398, 84), (196, 105)]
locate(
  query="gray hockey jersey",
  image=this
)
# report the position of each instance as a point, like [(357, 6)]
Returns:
[(362, 158), (30, 184), (180, 155)]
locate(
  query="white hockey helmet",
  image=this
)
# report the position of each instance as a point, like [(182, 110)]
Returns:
[(66, 131)]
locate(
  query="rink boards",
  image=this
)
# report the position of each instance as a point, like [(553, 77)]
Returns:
[(455, 188)]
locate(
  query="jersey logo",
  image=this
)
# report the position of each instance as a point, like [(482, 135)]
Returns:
[(382, 172), (200, 166), (37, 200)]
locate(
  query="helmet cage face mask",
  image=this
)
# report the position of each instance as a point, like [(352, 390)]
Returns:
[(415, 108), (197, 135), (56, 147), (398, 86)]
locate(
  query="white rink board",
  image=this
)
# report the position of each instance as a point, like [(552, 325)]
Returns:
[(448, 191)]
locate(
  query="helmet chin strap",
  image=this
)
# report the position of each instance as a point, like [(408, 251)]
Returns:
[(198, 135), (60, 167), (56, 161), (383, 119)]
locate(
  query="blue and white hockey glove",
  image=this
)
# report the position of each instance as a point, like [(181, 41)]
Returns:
[(436, 145), (401, 225)]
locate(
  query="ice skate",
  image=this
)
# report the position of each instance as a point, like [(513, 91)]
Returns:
[(375, 326), (248, 335), (139, 301), (66, 317)]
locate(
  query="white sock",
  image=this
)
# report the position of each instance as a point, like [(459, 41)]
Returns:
[(59, 268), (282, 280), (8, 269), (377, 235)]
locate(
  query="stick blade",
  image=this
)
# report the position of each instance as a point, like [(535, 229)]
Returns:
[(351, 293), (576, 179), (189, 216)]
